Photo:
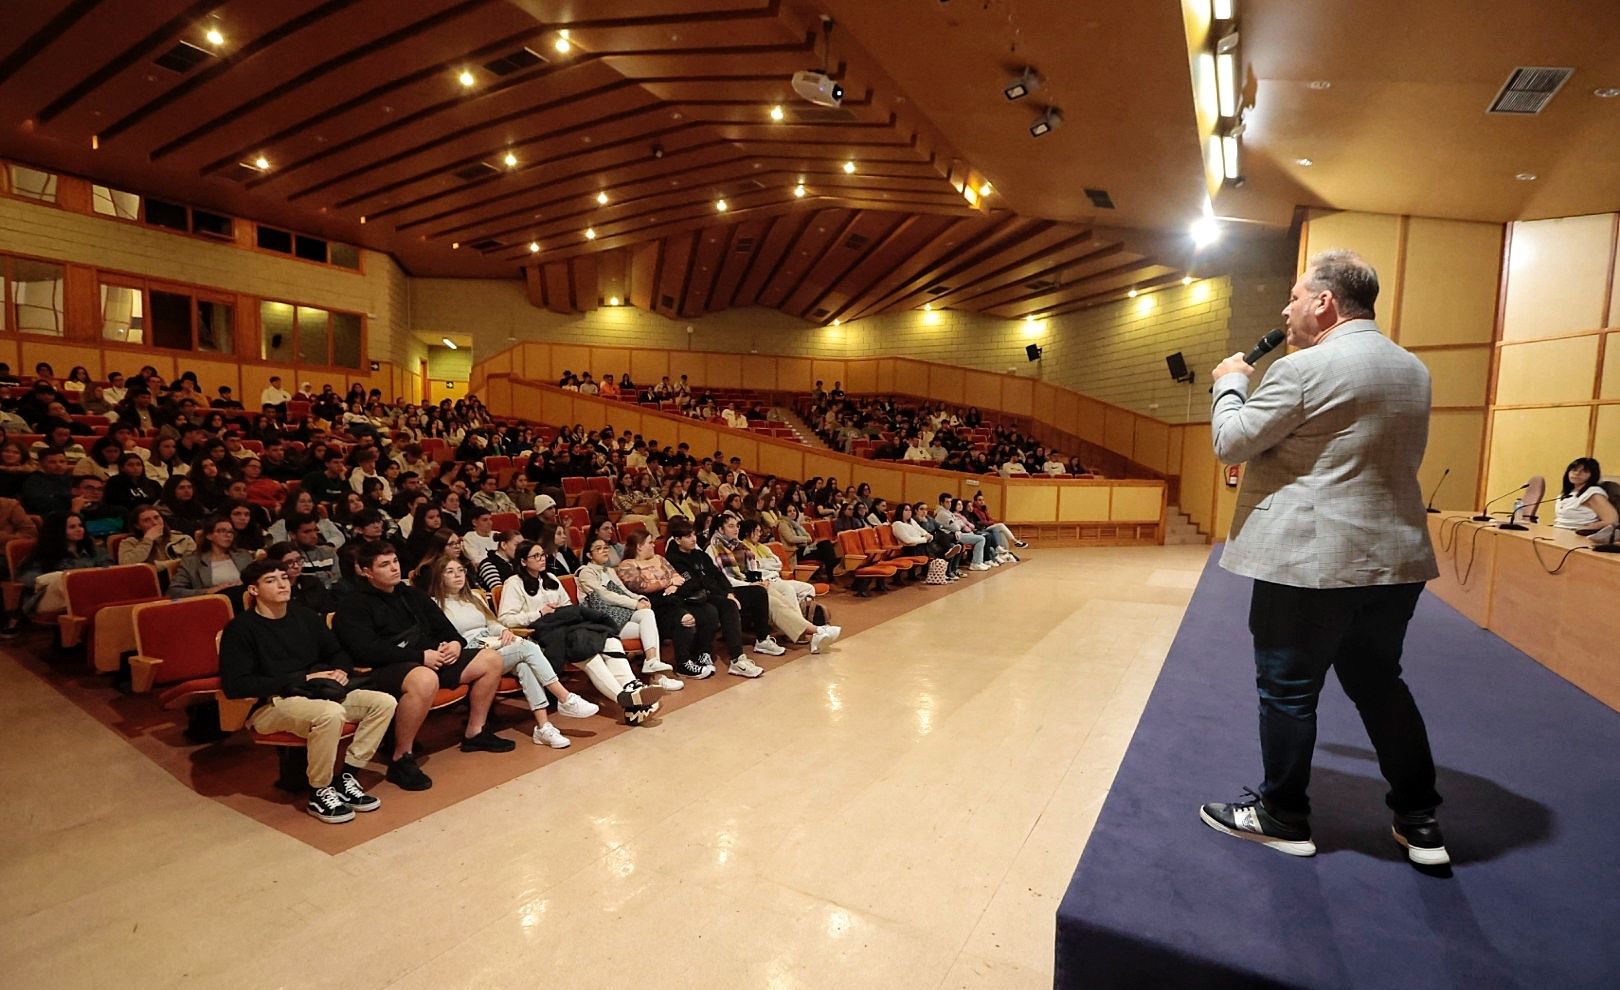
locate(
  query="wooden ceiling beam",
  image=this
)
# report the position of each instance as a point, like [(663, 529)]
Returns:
[(820, 239), (1127, 270), (925, 255), (1064, 269), (991, 267), (831, 269), (1167, 276), (1003, 230)]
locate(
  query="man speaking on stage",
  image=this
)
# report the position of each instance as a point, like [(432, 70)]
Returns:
[(1330, 525)]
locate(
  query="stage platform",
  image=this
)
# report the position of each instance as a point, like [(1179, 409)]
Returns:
[(1531, 782)]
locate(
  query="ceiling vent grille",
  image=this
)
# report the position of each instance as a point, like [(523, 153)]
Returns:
[(743, 245), (183, 57), (820, 314), (486, 245), (478, 171), (1041, 285), (822, 115), (667, 302), (1529, 89), (1100, 199), (856, 241), (523, 58)]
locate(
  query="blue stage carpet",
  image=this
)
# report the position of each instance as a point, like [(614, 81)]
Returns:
[(1530, 774)]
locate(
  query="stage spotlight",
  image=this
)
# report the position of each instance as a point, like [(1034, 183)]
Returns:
[(1027, 83), (1046, 123)]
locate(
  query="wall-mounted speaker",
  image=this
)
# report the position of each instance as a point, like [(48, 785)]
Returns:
[(1033, 352), (1178, 368)]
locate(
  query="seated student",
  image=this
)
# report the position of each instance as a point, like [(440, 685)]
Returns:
[(1583, 505), (631, 614), (911, 533), (491, 497), (786, 593), (996, 544), (501, 561), (130, 486), (306, 590), (450, 590), (532, 595), (735, 605), (479, 539), (213, 568), (64, 545), (285, 657), (949, 523), (48, 489), (445, 543), (791, 532), (151, 541), (413, 651), (248, 522), (644, 573), (15, 523), (979, 511)]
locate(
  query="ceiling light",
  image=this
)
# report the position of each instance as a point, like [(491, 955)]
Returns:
[(261, 163), (590, 233), (1186, 280), (1320, 84), (1026, 83), (984, 189), (1607, 92), (1230, 164), (510, 160), (777, 113), (1030, 318), (455, 245), (1131, 294), (837, 322), (1304, 162), (362, 218), (613, 300), (467, 78), (1526, 176), (798, 191), (928, 307), (214, 37), (1226, 81), (1222, 10), (449, 343), (1205, 231), (563, 45), (849, 168), (1046, 123), (534, 247), (971, 195), (602, 198), (721, 205)]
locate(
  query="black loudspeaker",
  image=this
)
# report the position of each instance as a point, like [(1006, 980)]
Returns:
[(1178, 367), (1033, 352)]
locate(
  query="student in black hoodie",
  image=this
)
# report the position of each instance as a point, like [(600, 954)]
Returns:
[(413, 651), (736, 606), (284, 656)]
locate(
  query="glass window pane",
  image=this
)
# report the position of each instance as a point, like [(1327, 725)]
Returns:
[(346, 256), (33, 184), (37, 288), (171, 320), (310, 248), (312, 336), (275, 331), (121, 316), (212, 224), (162, 214), (272, 239), (346, 340), (215, 323), (111, 202)]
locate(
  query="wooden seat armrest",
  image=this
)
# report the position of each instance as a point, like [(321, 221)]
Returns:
[(233, 712), (804, 572), (12, 591), (143, 672), (72, 629), (114, 630)]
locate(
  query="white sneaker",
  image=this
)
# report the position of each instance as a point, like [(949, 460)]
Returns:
[(744, 667), (824, 636), (668, 683), (978, 567), (651, 667), (769, 646), (548, 735), (577, 707)]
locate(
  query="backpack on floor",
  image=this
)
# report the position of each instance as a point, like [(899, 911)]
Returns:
[(936, 571)]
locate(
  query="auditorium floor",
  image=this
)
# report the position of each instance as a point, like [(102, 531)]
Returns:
[(903, 812)]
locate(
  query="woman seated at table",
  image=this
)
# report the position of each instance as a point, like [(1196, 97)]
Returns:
[(1583, 505)]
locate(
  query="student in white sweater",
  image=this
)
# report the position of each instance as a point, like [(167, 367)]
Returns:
[(478, 626), (597, 578), (532, 593)]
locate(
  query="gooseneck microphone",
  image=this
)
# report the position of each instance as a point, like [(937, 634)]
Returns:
[(1265, 345), (1485, 516), (1443, 476), (1513, 524)]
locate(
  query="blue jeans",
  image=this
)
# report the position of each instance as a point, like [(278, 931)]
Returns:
[(974, 541), (1301, 632)]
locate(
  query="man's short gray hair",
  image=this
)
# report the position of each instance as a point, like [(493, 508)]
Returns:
[(1347, 275)]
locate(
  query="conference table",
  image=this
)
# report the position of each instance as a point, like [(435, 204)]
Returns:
[(1544, 590)]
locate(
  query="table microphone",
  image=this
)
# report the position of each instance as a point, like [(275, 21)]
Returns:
[(1485, 516), (1431, 509), (1611, 546), (1265, 345), (1513, 524)]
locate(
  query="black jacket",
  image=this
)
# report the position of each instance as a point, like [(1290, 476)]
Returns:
[(700, 567), (263, 658), (380, 628)]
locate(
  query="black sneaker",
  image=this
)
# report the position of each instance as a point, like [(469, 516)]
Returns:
[(12, 628), (407, 776), (353, 794), (1420, 834), (638, 714), (486, 742), (706, 661), (327, 804), (818, 616), (1020, 544), (1250, 820), (694, 670)]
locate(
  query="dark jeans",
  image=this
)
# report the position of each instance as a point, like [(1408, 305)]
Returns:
[(669, 610), (1298, 634)]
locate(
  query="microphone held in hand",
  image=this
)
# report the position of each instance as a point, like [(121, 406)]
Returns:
[(1265, 345), (1443, 476)]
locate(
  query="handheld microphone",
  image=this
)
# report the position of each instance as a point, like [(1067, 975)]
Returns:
[(1265, 345), (1513, 523), (1484, 516), (1444, 475)]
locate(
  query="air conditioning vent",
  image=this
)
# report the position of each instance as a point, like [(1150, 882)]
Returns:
[(1041, 285), (523, 58), (183, 57), (1529, 89), (821, 115), (479, 171), (486, 245), (820, 314), (856, 241), (1100, 199), (937, 290), (743, 245)]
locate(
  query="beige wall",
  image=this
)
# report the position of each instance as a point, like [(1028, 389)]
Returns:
[(1438, 289)]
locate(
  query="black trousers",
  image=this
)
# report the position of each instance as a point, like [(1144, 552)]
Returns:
[(669, 610), (1299, 633), (823, 553)]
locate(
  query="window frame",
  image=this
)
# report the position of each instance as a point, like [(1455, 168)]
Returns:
[(146, 286), (6, 190), (295, 346), (8, 296)]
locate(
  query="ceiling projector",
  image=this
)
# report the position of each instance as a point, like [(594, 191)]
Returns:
[(819, 88)]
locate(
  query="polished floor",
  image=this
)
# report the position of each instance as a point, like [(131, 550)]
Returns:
[(904, 812)]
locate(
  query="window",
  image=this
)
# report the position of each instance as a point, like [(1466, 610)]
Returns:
[(212, 224), (307, 248), (123, 314), (171, 320), (171, 317), (271, 239), (164, 214), (310, 248), (36, 295), (30, 183), (345, 256), (110, 202), (216, 323), (309, 335)]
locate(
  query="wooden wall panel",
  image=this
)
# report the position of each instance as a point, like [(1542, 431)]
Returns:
[(213, 374), (1087, 502), (567, 357), (759, 371), (256, 378), (1119, 430), (886, 483), (647, 366), (1609, 387), (609, 361), (1134, 504), (63, 356), (1455, 440), (725, 371), (1045, 407), (555, 408), (861, 377), (1018, 396), (1522, 444), (1558, 271), (1449, 286), (781, 461), (984, 389), (1151, 445), (704, 440), (946, 384), (1066, 411), (885, 375), (1031, 502), (1198, 476), (820, 466), (1546, 372), (826, 372), (910, 378), (1606, 439), (1458, 377), (794, 374)]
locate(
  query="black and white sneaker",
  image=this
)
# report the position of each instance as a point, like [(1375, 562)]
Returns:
[(638, 714), (1250, 820), (706, 661), (328, 805), (1420, 834), (694, 670), (354, 795), (406, 775), (1020, 544), (639, 695)]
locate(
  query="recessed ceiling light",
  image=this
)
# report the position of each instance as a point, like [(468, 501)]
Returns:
[(798, 191), (985, 189), (466, 78), (215, 37), (613, 300), (1304, 162), (777, 113), (534, 247), (1607, 92), (563, 45), (849, 168), (362, 218), (455, 245), (928, 307), (1321, 84), (261, 163), (1205, 231), (590, 233), (1131, 294), (1186, 280), (449, 343), (510, 160), (721, 205), (602, 198), (1526, 176)]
